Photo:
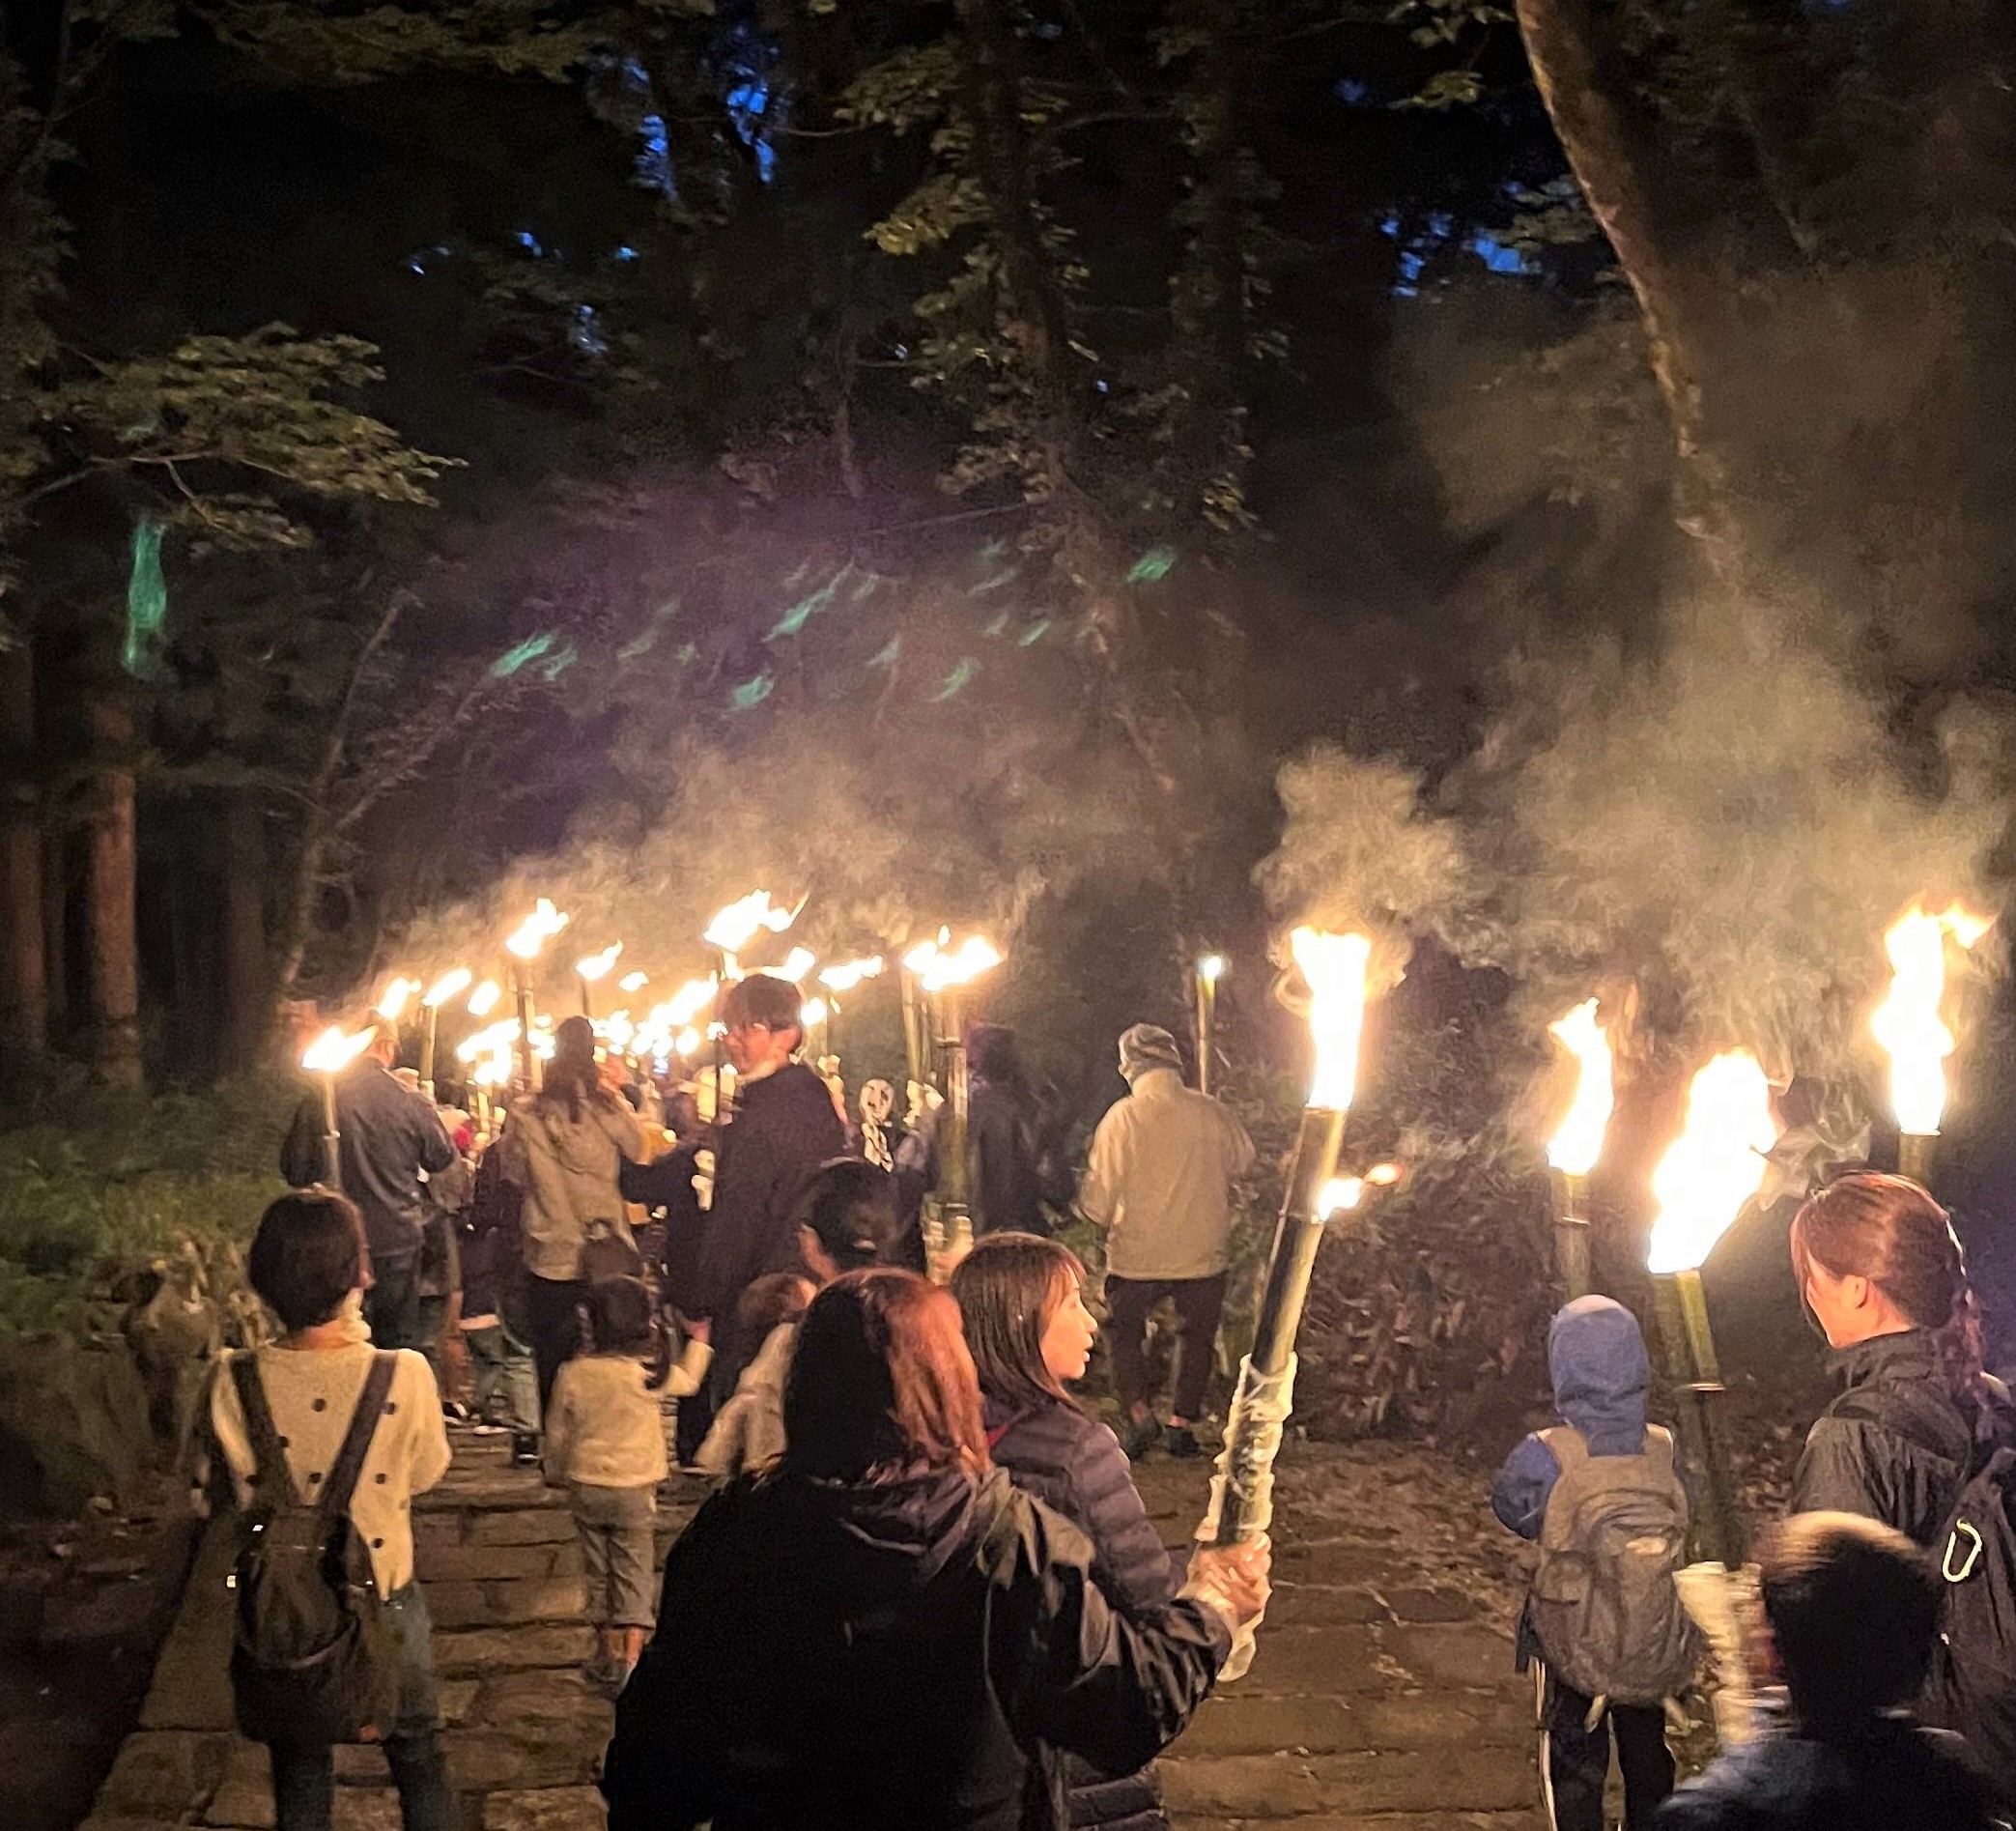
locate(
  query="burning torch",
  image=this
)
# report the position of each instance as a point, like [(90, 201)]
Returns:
[(732, 929), (329, 1055), (588, 972), (942, 975), (1707, 1173), (1333, 966), (448, 986), (840, 979), (1572, 1152), (1907, 1024), (1211, 969), (532, 933)]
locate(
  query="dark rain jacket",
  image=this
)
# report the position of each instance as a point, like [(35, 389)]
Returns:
[(1596, 1355), (1893, 1446), (911, 1653), (663, 1188), (1074, 1465), (1889, 1776), (1003, 1139), (389, 1135), (785, 1126)]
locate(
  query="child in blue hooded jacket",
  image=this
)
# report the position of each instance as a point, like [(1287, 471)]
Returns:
[(1601, 1496)]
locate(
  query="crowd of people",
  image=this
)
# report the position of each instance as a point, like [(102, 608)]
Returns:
[(924, 1590)]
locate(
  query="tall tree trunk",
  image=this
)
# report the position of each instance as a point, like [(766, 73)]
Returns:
[(24, 984), (243, 1019), (111, 876), (55, 923)]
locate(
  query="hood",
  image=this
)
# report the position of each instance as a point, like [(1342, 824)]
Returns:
[(1596, 1355), (894, 1533)]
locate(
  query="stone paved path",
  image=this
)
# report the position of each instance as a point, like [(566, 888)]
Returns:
[(1381, 1699)]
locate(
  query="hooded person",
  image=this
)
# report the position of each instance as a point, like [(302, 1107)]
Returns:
[(1159, 1180), (1005, 1128), (1560, 1487), (783, 1127)]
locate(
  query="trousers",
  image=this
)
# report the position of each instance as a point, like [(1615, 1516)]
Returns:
[(552, 1327), (1575, 1757), (1198, 1303)]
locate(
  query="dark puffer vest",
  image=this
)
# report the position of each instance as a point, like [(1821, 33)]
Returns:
[(1075, 1464)]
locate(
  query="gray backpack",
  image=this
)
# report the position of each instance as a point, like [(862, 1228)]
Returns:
[(1604, 1606)]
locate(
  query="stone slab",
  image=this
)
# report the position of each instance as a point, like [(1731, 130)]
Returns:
[(493, 1649), (1314, 1659), (1450, 1655), (171, 1773), (521, 1526), (489, 1563), (550, 1808), (1268, 1786), (191, 1684)]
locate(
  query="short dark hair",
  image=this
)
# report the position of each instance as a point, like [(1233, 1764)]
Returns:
[(307, 1256), (1852, 1605), (850, 1206), (1008, 1287), (620, 1315), (762, 998), (882, 1380)]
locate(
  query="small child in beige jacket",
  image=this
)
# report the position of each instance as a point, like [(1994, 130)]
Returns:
[(605, 1444)]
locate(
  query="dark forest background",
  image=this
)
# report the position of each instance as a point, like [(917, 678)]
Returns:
[(1531, 479)]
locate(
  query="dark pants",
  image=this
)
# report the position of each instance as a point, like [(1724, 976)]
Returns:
[(696, 1421), (552, 1327), (1198, 1303), (392, 1304), (304, 1778), (1575, 1758)]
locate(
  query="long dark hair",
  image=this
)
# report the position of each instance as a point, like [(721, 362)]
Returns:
[(1008, 1287), (572, 1077), (1888, 1230), (881, 1382)]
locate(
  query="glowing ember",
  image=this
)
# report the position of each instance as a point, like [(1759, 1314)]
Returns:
[(537, 929), (484, 999), (1339, 1194), (397, 995), (845, 978), (1908, 1022), (334, 1049), (597, 965), (1575, 1148), (1715, 1164), (1333, 966), (734, 928), (1383, 1175), (448, 986), (941, 970), (634, 983)]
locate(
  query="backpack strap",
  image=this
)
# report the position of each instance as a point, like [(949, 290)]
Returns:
[(1567, 1444), (271, 1480), (335, 1499)]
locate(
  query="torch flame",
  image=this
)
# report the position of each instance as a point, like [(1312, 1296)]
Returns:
[(395, 999), (634, 981), (334, 1050), (686, 1003), (798, 963), (537, 929), (1333, 965), (938, 970), (812, 1014), (850, 974), (735, 927), (484, 999), (1212, 968), (1908, 1022), (1715, 1164), (1576, 1147), (448, 986), (597, 965), (687, 1042)]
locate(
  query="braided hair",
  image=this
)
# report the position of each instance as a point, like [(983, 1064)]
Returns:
[(1888, 1230)]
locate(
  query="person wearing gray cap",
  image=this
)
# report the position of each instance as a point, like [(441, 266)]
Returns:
[(1159, 1180)]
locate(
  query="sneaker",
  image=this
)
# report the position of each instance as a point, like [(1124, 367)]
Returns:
[(1181, 1441), (1138, 1438), (454, 1412), (525, 1450)]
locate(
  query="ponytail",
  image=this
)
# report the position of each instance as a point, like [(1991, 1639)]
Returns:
[(1888, 1230)]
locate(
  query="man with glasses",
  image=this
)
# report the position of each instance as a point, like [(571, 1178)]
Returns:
[(784, 1126)]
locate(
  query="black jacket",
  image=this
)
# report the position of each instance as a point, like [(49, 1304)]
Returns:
[(1074, 1465), (389, 1135), (1893, 1446), (903, 1654), (1007, 1185), (785, 1126), (1888, 1776), (663, 1188)]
